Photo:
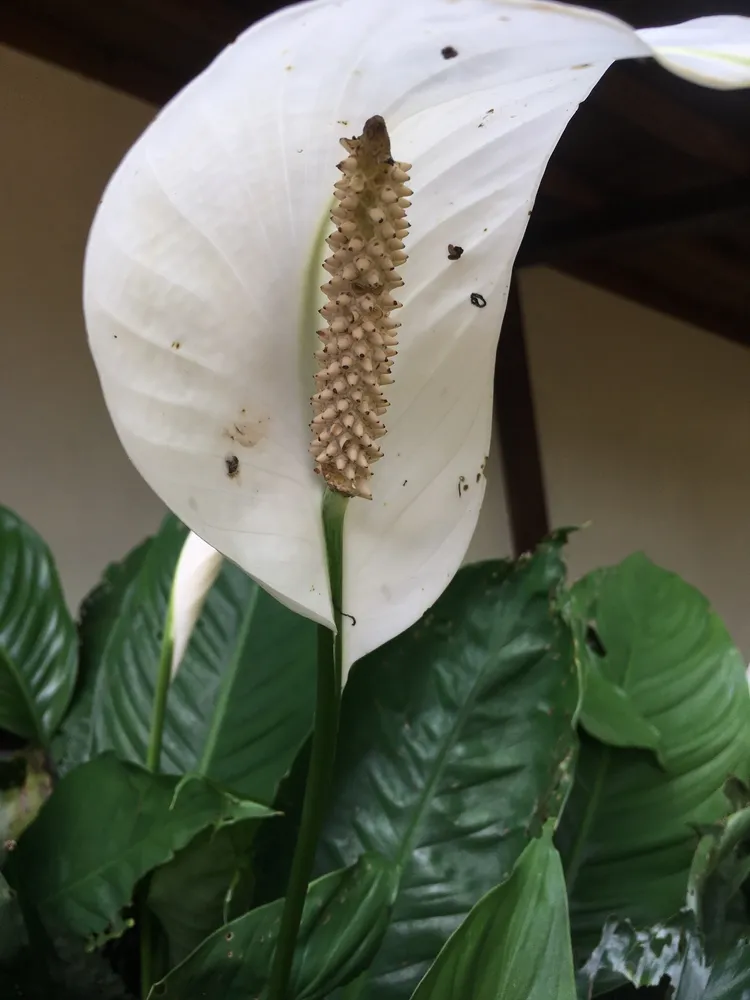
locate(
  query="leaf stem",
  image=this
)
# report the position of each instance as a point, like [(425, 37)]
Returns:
[(322, 754), (163, 678), (148, 927)]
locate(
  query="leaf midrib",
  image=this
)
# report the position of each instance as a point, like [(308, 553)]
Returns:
[(442, 756), (575, 858), (226, 687)]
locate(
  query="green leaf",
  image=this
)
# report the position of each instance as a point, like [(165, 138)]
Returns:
[(672, 952), (610, 715), (344, 919), (452, 742), (720, 867), (97, 617), (515, 943), (241, 704), (205, 885), (13, 937), (106, 825), (727, 978), (641, 957), (37, 637), (627, 834)]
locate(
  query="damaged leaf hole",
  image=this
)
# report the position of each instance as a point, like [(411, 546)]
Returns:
[(448, 52), (594, 642), (232, 464)]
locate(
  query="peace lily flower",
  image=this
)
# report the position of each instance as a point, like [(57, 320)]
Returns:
[(206, 258), (196, 571)]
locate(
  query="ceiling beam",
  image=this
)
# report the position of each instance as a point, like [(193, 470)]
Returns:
[(630, 222), (623, 277)]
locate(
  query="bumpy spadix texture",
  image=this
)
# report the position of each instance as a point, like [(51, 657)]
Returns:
[(359, 344), (205, 260)]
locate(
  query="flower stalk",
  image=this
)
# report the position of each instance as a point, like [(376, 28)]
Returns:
[(322, 755)]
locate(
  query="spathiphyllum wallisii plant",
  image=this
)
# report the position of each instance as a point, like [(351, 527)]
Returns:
[(530, 791)]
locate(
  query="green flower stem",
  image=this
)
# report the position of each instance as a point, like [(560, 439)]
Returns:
[(148, 926), (322, 754), (163, 678)]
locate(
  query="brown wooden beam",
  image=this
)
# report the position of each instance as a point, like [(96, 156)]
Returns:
[(517, 430), (624, 278), (630, 221), (633, 93)]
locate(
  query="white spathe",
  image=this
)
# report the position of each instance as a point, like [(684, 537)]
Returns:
[(197, 568), (204, 261)]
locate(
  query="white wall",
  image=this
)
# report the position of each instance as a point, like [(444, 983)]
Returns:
[(61, 466), (645, 422), (645, 431)]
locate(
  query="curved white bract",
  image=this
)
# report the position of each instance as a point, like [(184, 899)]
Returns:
[(196, 571), (209, 241)]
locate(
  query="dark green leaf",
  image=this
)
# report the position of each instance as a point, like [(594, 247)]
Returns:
[(37, 636), (720, 868), (106, 825), (205, 885), (242, 701), (98, 614), (452, 740), (344, 919), (515, 943), (12, 931), (627, 835)]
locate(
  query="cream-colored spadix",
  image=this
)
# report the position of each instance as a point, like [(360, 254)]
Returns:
[(205, 262)]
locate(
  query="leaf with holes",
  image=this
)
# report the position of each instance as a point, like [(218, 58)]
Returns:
[(515, 943), (38, 648), (627, 834), (452, 739), (343, 922), (106, 825), (208, 883)]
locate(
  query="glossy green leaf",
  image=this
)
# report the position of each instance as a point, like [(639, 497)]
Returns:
[(208, 883), (97, 616), (344, 919), (38, 648), (515, 943), (106, 825), (452, 740), (241, 704), (627, 835)]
